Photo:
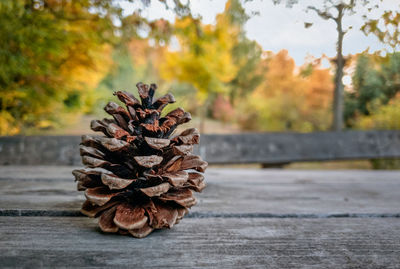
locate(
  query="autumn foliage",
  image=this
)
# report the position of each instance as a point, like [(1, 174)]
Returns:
[(61, 62)]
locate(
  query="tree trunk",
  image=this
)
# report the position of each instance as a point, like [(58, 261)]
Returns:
[(337, 124)]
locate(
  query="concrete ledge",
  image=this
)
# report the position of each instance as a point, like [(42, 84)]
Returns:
[(266, 148)]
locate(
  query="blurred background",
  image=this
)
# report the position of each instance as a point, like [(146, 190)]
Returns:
[(236, 66)]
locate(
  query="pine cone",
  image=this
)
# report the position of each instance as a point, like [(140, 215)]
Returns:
[(139, 177)]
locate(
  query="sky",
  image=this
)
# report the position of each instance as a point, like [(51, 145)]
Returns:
[(278, 27)]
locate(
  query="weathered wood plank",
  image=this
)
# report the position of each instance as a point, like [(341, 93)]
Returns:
[(204, 243), (268, 148), (229, 191)]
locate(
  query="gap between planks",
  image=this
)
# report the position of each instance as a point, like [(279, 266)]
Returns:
[(199, 215)]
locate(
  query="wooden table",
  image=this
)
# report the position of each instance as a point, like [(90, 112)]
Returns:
[(245, 218)]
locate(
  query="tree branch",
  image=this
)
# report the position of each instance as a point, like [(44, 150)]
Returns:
[(323, 14)]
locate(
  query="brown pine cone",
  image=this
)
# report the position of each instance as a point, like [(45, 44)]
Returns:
[(139, 176)]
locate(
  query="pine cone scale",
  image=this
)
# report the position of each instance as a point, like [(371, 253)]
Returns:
[(165, 217), (114, 182), (142, 232), (148, 161), (106, 221), (129, 217), (156, 190), (157, 143), (91, 210), (176, 179), (99, 195)]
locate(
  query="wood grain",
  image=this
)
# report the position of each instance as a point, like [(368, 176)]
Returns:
[(228, 191), (246, 218), (204, 243)]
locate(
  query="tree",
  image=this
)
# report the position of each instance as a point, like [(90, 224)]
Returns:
[(375, 83), (341, 8), (246, 54), (280, 98), (53, 54), (376, 79), (49, 59), (336, 10), (290, 98), (386, 29), (318, 102), (386, 117), (218, 60), (204, 58)]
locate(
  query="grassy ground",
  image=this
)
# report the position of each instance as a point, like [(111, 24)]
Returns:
[(331, 165)]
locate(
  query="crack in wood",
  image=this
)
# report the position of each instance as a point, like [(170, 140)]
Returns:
[(199, 215)]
